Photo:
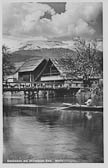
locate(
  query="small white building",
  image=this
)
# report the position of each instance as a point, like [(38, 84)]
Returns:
[(11, 78)]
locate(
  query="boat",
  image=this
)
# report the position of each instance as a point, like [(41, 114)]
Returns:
[(83, 107), (63, 106)]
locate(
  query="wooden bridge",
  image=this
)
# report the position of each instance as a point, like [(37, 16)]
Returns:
[(32, 89)]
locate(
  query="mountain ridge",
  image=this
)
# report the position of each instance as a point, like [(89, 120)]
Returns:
[(16, 45), (46, 49), (23, 55)]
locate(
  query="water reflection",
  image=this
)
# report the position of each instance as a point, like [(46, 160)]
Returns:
[(44, 133)]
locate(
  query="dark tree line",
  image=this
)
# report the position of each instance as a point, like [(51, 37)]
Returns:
[(7, 67)]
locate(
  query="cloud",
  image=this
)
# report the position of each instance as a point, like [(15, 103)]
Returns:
[(77, 19), (23, 18), (26, 20), (87, 11)]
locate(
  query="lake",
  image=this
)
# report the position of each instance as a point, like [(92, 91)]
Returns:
[(36, 134)]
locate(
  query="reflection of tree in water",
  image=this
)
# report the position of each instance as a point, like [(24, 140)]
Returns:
[(6, 111), (7, 132), (72, 119), (93, 131), (6, 129), (90, 129)]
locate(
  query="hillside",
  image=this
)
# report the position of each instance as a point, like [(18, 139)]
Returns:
[(23, 50), (22, 55)]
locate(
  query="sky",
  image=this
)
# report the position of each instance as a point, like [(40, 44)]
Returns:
[(53, 20)]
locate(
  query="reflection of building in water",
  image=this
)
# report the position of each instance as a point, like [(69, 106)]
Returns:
[(47, 115)]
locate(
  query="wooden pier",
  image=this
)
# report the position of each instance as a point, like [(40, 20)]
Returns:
[(32, 89)]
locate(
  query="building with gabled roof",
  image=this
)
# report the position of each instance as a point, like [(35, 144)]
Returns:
[(53, 69), (58, 72), (31, 70)]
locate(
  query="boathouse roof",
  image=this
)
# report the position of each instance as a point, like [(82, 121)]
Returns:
[(30, 65), (63, 66), (69, 68)]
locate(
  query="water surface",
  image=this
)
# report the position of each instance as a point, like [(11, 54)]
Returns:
[(41, 135)]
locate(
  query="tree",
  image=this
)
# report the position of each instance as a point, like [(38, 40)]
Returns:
[(85, 61), (89, 60), (7, 66)]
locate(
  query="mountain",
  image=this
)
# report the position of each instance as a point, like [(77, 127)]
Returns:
[(20, 44), (23, 55), (21, 50), (16, 45)]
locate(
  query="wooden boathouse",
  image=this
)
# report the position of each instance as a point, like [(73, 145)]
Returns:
[(48, 71), (49, 76)]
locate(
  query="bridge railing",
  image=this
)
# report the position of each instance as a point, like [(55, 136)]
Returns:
[(41, 85)]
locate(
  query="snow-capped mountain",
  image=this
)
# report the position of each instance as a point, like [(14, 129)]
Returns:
[(16, 45)]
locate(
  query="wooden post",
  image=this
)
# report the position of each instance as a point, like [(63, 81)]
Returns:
[(37, 93), (30, 79), (30, 76)]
